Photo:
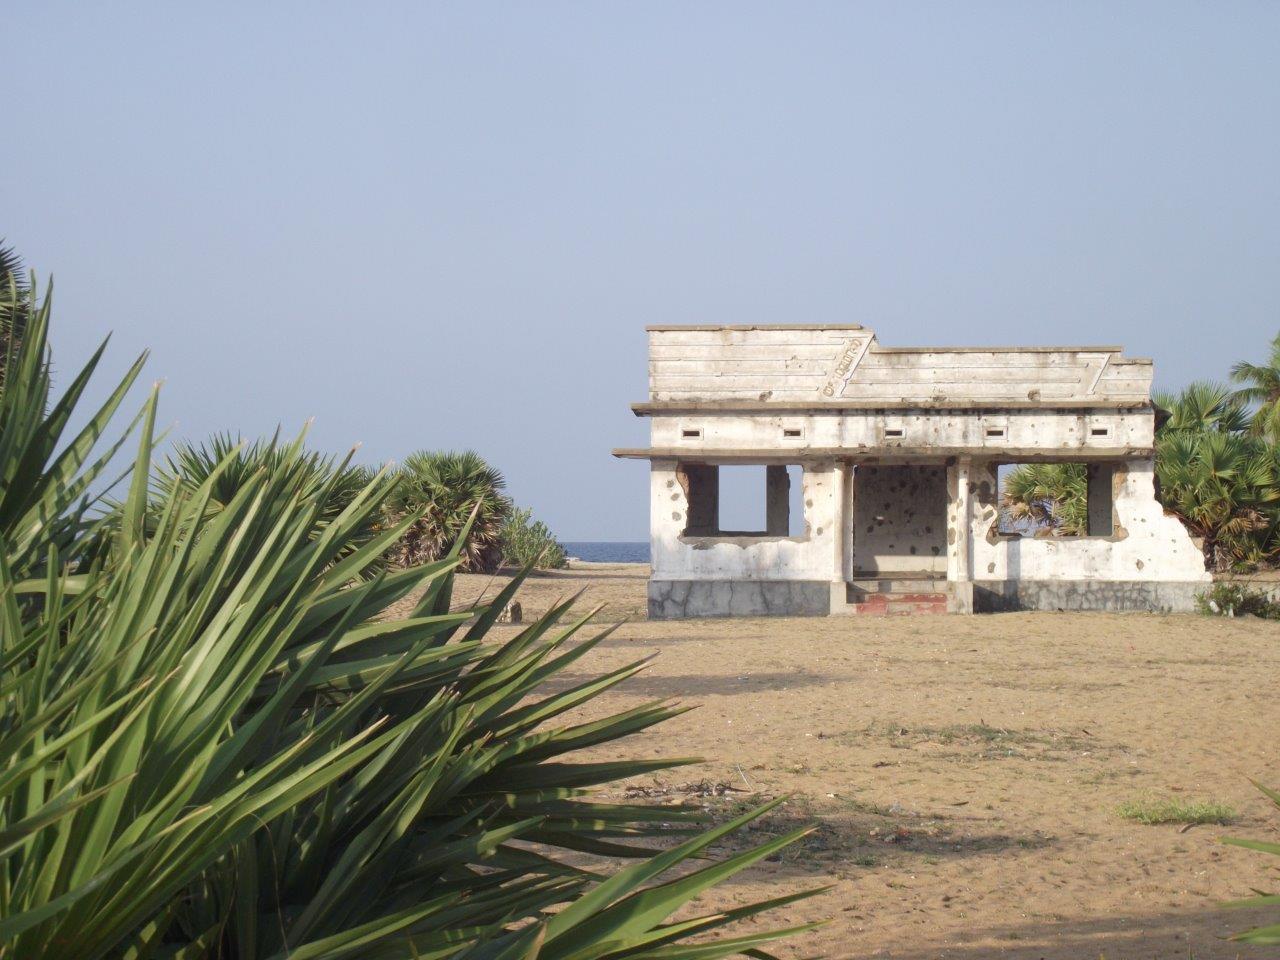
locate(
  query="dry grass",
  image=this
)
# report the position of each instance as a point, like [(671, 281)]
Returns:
[(1153, 811)]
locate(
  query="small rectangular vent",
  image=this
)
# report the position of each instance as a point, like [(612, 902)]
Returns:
[(995, 431), (691, 434), (792, 433), (892, 432), (1100, 432)]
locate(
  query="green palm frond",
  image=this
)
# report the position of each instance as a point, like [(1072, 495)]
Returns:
[(1203, 405), (1224, 486), (1262, 390)]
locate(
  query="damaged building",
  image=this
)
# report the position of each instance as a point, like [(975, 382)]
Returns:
[(877, 470)]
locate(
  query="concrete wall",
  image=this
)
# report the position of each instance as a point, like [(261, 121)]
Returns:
[(900, 519), (810, 556), (1098, 596), (680, 599), (846, 362), (1055, 431), (1145, 545)]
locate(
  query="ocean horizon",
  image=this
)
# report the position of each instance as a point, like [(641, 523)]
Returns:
[(608, 551)]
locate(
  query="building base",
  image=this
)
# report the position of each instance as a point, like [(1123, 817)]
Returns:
[(1105, 596), (681, 599)]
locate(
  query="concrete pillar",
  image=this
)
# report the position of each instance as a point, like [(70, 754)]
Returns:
[(777, 501), (841, 520), (959, 532)]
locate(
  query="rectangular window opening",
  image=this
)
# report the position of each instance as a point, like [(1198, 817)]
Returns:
[(1056, 500), (743, 501)]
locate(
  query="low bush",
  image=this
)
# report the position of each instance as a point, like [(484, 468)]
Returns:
[(528, 542), (1236, 600)]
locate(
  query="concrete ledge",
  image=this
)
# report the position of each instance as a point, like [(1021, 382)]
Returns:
[(1108, 596), (682, 599)]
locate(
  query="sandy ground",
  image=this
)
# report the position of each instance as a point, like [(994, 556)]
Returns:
[(964, 773)]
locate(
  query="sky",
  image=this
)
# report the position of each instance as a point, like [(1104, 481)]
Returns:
[(446, 225)]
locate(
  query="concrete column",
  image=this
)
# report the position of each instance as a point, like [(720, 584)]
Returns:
[(959, 532), (777, 501), (840, 521)]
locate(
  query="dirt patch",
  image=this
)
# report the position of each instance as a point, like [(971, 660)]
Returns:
[(963, 773)]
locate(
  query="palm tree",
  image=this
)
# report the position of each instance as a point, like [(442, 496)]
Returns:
[(1225, 488), (1203, 405), (1263, 388), (446, 487)]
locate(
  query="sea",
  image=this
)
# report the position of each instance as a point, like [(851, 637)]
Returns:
[(608, 551)]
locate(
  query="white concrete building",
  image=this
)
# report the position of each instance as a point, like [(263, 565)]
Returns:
[(896, 452)]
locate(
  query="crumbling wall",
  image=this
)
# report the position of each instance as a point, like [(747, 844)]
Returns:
[(677, 555), (1144, 544), (900, 519)]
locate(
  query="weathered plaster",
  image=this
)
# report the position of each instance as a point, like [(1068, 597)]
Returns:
[(852, 412), (811, 556), (900, 519), (679, 599), (1146, 544)]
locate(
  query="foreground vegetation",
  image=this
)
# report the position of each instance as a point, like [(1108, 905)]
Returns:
[(213, 743)]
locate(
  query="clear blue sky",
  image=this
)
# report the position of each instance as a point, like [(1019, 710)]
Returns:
[(447, 225)]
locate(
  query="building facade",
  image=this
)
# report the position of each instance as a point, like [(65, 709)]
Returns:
[(878, 475)]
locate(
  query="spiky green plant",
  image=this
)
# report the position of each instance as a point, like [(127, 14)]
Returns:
[(1268, 933), (15, 304), (529, 542), (213, 744), (1051, 496), (1262, 390), (229, 464), (444, 489)]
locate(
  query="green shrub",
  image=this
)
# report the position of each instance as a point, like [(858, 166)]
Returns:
[(442, 490), (214, 744), (529, 542), (1235, 599)]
